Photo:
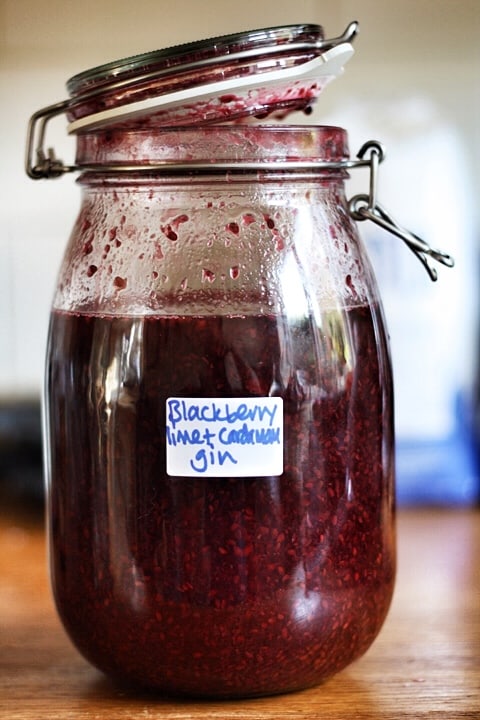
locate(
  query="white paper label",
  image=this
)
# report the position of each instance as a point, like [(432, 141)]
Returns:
[(225, 437)]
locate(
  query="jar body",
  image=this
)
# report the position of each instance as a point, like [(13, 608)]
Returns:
[(176, 298)]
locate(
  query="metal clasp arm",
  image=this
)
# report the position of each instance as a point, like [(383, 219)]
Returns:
[(348, 35), (45, 165), (366, 207)]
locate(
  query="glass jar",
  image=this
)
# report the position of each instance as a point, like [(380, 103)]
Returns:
[(219, 413)]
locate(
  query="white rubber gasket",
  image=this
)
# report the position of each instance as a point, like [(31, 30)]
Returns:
[(327, 65)]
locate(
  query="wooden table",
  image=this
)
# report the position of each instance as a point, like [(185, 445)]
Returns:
[(425, 663)]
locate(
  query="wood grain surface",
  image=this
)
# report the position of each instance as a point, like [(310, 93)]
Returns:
[(424, 664)]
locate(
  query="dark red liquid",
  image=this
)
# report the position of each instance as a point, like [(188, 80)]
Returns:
[(224, 586)]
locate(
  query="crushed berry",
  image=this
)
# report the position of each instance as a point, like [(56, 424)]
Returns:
[(279, 242), (208, 275), (91, 270), (233, 228), (179, 220), (228, 98), (169, 232), (228, 586), (120, 282)]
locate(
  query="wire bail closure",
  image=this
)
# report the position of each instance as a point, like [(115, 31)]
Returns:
[(47, 165), (366, 207)]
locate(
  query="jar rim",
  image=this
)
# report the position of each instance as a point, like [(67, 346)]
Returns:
[(225, 145)]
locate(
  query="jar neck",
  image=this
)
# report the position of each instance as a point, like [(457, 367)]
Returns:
[(229, 147)]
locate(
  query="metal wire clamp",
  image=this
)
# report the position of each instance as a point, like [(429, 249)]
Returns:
[(366, 207)]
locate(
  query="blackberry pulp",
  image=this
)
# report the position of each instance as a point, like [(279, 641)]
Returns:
[(220, 586)]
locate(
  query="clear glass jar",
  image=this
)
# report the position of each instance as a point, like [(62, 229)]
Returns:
[(219, 414)]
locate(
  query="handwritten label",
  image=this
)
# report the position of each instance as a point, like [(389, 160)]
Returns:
[(225, 437)]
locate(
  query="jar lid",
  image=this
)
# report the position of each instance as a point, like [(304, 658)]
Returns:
[(197, 52), (223, 79)]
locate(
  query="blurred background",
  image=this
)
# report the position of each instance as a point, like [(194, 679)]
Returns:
[(413, 84)]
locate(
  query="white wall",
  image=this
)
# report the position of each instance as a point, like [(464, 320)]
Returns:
[(406, 48)]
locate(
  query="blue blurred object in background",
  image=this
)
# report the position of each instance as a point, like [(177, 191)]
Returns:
[(433, 327)]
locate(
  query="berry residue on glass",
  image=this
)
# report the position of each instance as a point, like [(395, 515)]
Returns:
[(264, 73), (208, 586)]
